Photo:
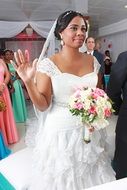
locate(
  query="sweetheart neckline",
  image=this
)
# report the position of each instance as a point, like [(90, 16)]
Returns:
[(55, 66)]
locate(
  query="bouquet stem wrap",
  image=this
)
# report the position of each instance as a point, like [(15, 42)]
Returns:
[(87, 135)]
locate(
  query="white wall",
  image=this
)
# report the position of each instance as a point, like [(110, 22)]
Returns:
[(115, 43), (114, 38)]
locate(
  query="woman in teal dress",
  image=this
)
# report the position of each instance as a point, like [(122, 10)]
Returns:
[(18, 100), (4, 150)]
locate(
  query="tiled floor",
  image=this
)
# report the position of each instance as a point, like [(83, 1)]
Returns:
[(21, 144)]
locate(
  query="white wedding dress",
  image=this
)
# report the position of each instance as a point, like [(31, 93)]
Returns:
[(61, 159)]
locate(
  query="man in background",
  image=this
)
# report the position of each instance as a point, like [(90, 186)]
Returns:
[(90, 45), (117, 91)]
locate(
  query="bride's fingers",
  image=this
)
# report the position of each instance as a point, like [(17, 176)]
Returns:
[(21, 56), (35, 63), (27, 56), (17, 59)]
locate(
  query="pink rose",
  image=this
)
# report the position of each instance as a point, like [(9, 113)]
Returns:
[(107, 112), (99, 92), (92, 110), (78, 105)]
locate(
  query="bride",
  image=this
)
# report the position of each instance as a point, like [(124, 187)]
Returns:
[(61, 159)]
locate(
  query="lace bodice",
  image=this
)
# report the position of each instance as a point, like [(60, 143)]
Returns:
[(64, 84)]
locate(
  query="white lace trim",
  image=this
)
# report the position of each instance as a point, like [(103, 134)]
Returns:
[(47, 66)]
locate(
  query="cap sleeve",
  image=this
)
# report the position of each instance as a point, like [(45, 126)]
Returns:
[(47, 67)]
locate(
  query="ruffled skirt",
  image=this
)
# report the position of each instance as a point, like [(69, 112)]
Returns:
[(63, 161)]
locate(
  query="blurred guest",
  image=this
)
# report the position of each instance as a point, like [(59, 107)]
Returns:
[(108, 65), (4, 150), (107, 55), (18, 99), (7, 123), (10, 83)]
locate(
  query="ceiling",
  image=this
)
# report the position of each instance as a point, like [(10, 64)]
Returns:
[(105, 12), (101, 12)]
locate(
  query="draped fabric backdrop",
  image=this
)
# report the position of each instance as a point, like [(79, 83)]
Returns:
[(11, 29)]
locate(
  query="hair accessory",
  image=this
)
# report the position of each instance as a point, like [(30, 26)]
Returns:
[(69, 12)]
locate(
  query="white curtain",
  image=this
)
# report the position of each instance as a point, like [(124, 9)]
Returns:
[(42, 27), (11, 29)]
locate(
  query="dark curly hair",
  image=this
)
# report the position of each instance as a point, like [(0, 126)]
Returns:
[(5, 51), (1, 52), (64, 19)]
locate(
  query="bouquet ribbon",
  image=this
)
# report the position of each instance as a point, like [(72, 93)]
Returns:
[(88, 133)]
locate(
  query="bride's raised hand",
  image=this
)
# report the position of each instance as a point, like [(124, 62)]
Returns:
[(24, 68)]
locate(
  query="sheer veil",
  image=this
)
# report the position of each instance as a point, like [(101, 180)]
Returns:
[(34, 128), (47, 50), (49, 45)]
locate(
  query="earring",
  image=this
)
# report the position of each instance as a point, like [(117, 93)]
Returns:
[(62, 42)]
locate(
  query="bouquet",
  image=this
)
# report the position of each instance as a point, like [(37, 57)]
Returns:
[(2, 104), (93, 107)]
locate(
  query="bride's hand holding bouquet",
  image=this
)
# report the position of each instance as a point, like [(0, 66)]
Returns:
[(93, 107)]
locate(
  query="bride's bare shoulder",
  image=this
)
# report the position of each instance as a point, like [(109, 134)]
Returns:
[(54, 56)]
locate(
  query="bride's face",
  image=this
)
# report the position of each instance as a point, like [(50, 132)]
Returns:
[(74, 34)]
